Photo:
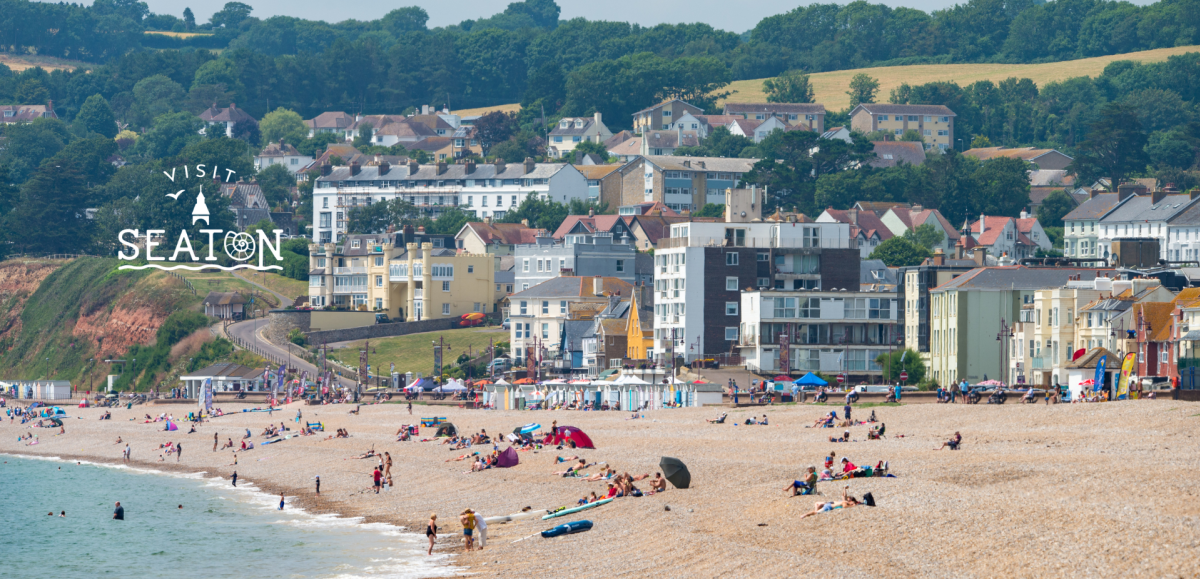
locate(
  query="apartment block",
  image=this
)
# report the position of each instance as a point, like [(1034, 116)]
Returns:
[(935, 123)]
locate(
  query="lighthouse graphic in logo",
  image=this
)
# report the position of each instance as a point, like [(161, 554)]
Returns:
[(200, 211)]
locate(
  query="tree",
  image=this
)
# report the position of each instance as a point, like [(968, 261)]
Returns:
[(284, 125), (541, 214), (1001, 187), (900, 252), (408, 19), (247, 130), (1056, 205), (901, 95), (231, 16), (95, 116), (912, 136), (365, 133), (52, 204), (153, 97), (925, 235), (1171, 149), (170, 134), (373, 218), (863, 89), (493, 128), (710, 210), (276, 183), (980, 142), (29, 144), (223, 153), (1114, 147), (592, 147), (189, 19), (790, 87), (892, 365)]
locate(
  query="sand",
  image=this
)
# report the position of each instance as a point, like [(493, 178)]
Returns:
[(1095, 490)]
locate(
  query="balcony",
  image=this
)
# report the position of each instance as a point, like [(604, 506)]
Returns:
[(1041, 363), (349, 270), (419, 293)]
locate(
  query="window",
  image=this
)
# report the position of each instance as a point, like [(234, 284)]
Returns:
[(539, 265), (525, 265), (470, 269), (913, 118), (731, 258), (666, 113), (899, 117), (470, 200), (524, 308), (326, 219), (445, 286), (731, 284), (545, 307), (882, 117), (557, 139), (576, 139), (324, 203), (944, 119), (445, 309), (764, 282), (764, 256), (620, 265), (379, 281), (731, 334), (355, 244), (379, 303), (562, 307), (545, 331), (731, 308), (943, 133)]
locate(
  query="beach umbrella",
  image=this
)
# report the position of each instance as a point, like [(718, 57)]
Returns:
[(528, 428), (782, 378), (675, 471), (1088, 382)]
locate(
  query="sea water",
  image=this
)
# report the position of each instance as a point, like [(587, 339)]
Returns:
[(221, 531)]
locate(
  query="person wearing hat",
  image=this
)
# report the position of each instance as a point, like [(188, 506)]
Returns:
[(468, 522)]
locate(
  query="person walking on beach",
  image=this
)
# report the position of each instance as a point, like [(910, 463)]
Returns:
[(431, 531), (318, 485), (468, 522), (281, 501), (410, 408), (481, 528), (178, 451), (119, 512), (215, 442), (233, 477), (127, 453), (297, 416), (387, 465)]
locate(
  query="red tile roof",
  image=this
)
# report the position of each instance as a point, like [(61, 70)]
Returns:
[(504, 233)]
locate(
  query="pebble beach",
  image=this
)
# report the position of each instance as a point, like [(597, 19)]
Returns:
[(1082, 490)]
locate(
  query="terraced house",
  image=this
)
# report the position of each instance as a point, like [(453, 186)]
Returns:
[(571, 131)]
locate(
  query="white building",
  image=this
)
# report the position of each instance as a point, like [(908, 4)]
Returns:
[(1152, 215), (284, 154), (828, 332), (486, 190), (702, 268), (539, 314)]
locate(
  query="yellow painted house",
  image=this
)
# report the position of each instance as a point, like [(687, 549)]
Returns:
[(639, 334)]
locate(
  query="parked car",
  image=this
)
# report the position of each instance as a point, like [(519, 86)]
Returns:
[(505, 325), (382, 319), (500, 364)]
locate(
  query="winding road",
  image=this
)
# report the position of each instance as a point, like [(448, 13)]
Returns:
[(249, 332)]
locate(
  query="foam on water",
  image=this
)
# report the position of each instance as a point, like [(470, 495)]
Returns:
[(223, 531)]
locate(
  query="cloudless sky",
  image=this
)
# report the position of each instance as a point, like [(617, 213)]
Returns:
[(737, 16)]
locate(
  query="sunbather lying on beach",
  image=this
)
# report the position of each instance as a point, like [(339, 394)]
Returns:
[(565, 458), (367, 454), (846, 502), (463, 457), (718, 420), (604, 474)]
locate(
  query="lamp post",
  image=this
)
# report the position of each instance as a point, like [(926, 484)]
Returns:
[(1003, 336)]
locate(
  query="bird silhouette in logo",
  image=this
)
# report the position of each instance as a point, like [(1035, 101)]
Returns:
[(175, 195)]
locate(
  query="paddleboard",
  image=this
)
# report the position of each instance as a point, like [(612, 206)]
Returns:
[(567, 529), (576, 509), (514, 517)]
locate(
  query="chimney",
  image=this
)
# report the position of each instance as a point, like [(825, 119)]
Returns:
[(1092, 194), (355, 168), (598, 285), (597, 119), (326, 169), (1194, 193), (441, 167), (591, 212), (500, 167), (853, 214), (1127, 190), (1157, 196), (424, 109), (687, 164), (421, 230), (1024, 214), (679, 133), (413, 167), (918, 208), (700, 164), (528, 165), (487, 220), (939, 257), (470, 167), (232, 106), (980, 256), (384, 167), (525, 223), (50, 107), (982, 224)]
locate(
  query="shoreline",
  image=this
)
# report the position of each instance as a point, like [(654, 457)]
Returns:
[(1039, 475)]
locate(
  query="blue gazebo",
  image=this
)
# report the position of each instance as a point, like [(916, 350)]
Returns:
[(811, 379)]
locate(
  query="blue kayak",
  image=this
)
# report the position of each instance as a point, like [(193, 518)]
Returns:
[(567, 529)]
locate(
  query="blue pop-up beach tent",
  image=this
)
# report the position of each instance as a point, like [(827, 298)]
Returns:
[(811, 379)]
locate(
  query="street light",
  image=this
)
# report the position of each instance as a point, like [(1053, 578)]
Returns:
[(1003, 336)]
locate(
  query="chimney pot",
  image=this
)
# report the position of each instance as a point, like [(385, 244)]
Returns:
[(598, 285), (500, 167), (525, 222), (528, 165), (413, 167)]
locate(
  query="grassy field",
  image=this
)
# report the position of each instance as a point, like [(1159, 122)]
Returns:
[(287, 286), (831, 87), (24, 61), (178, 34), (414, 353)]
